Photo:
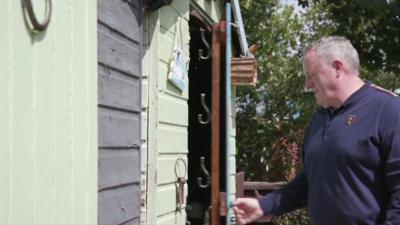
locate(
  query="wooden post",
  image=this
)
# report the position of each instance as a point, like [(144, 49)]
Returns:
[(215, 124), (240, 184)]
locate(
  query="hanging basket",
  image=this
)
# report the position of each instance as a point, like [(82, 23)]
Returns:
[(244, 71)]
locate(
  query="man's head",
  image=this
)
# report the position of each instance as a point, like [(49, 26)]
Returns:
[(331, 66)]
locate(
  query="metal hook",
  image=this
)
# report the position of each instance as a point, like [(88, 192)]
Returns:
[(234, 25), (38, 26), (203, 38), (200, 116), (206, 173)]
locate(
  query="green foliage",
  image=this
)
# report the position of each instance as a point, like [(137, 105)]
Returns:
[(373, 28), (272, 116)]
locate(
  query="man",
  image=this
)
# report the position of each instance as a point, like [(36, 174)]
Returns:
[(351, 173)]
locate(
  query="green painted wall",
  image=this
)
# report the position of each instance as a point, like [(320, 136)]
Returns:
[(48, 115), (166, 114)]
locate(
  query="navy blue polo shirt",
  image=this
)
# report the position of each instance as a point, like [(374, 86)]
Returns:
[(351, 173)]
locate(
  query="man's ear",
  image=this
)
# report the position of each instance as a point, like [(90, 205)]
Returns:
[(337, 64)]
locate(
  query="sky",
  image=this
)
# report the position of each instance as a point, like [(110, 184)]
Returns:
[(297, 8)]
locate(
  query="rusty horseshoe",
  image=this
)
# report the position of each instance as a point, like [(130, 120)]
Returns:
[(36, 25)]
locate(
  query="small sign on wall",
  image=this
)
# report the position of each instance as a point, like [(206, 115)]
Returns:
[(178, 71), (179, 66)]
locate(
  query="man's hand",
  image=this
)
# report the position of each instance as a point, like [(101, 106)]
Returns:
[(247, 210)]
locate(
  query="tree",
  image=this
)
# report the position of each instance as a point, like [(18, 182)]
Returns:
[(271, 117), (273, 114), (373, 28)]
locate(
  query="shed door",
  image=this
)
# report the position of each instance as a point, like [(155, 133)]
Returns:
[(199, 139), (119, 79), (204, 181)]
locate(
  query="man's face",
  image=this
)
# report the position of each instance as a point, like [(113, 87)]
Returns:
[(320, 78)]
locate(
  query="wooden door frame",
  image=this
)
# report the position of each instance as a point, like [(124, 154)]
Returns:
[(215, 123)]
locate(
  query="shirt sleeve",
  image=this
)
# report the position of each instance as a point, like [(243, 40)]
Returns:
[(288, 198), (292, 196), (390, 141)]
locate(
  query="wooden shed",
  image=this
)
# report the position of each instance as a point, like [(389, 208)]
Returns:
[(98, 127)]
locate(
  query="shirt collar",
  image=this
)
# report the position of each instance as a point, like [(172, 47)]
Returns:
[(352, 99)]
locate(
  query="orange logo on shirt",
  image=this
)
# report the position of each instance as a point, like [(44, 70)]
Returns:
[(350, 120)]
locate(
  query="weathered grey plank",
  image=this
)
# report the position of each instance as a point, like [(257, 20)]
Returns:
[(123, 55), (135, 3), (119, 97), (121, 16), (117, 90), (118, 129), (118, 205), (135, 221), (118, 167)]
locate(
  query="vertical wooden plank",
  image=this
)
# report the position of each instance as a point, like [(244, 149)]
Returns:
[(23, 156), (91, 117), (79, 96), (44, 131), (144, 119), (215, 124), (233, 144), (84, 116), (153, 26), (240, 184), (63, 157), (5, 150)]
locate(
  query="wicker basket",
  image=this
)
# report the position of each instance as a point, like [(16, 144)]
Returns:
[(244, 71)]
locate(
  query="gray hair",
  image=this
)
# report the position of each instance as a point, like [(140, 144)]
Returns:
[(329, 48)]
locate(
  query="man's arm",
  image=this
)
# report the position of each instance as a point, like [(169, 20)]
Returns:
[(292, 196), (390, 142), (288, 198)]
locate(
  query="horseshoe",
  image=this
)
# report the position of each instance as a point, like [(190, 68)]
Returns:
[(38, 26)]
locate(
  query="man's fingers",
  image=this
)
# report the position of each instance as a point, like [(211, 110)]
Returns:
[(246, 210), (239, 212), (240, 221)]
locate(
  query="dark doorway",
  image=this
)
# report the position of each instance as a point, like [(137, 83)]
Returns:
[(199, 140)]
